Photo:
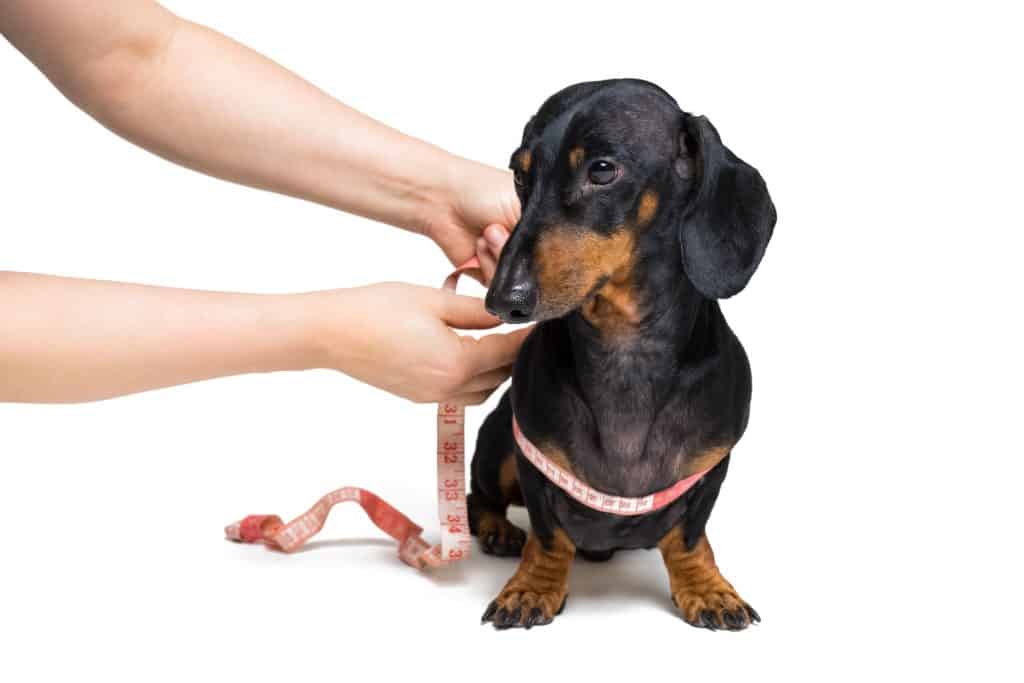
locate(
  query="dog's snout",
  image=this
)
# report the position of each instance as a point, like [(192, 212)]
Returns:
[(515, 304)]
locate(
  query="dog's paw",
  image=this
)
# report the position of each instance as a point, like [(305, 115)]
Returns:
[(526, 609), (498, 536), (715, 608)]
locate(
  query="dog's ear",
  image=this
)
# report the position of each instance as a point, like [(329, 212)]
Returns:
[(728, 218)]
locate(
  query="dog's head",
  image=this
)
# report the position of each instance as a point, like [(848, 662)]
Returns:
[(601, 165)]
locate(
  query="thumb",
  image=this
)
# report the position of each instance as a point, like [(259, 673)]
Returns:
[(495, 236), (466, 312)]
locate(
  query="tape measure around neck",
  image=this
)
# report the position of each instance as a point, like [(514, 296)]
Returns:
[(591, 497)]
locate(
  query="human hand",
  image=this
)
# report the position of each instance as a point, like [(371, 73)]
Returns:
[(398, 337), (482, 199), (488, 250), (394, 336)]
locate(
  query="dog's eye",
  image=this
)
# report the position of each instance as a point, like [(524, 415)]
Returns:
[(601, 172)]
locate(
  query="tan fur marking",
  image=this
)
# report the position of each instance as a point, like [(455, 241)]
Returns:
[(614, 308), (490, 523), (647, 208), (696, 584), (525, 160), (558, 457), (508, 480), (542, 579), (575, 157), (571, 262), (704, 460)]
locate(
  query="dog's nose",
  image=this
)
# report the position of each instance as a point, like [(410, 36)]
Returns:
[(515, 304)]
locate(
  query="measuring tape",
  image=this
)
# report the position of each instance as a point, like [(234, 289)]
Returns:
[(453, 513), (591, 497)]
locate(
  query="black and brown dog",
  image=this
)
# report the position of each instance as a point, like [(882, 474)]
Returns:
[(636, 219)]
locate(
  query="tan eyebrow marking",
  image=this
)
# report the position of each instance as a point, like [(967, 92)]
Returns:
[(525, 159), (575, 157), (648, 207)]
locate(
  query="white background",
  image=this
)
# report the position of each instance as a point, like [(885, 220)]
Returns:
[(871, 512)]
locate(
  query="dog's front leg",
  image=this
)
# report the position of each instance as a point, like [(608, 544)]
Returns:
[(536, 592), (699, 590)]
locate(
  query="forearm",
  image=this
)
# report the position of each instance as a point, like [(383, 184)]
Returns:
[(64, 340), (69, 340), (202, 100)]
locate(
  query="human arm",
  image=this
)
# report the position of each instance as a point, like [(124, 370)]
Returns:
[(202, 100), (70, 340)]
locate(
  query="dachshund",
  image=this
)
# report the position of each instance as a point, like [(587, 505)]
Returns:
[(636, 219)]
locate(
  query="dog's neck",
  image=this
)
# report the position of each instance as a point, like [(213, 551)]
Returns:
[(630, 342)]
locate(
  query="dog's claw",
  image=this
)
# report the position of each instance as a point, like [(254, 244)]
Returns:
[(735, 617), (716, 609), (755, 618), (506, 619), (532, 612), (489, 612)]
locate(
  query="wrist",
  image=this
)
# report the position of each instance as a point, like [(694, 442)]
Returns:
[(441, 199), (299, 338), (326, 328)]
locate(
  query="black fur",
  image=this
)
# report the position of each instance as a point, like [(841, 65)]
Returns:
[(730, 216), (630, 411)]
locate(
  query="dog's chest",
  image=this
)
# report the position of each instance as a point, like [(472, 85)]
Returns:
[(628, 424), (634, 439), (628, 450)]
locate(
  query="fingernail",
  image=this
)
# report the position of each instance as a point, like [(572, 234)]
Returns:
[(496, 236)]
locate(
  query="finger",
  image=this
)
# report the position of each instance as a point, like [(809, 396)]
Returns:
[(488, 380), (496, 235), (488, 264), (470, 399), (466, 312), (478, 273), (492, 351)]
